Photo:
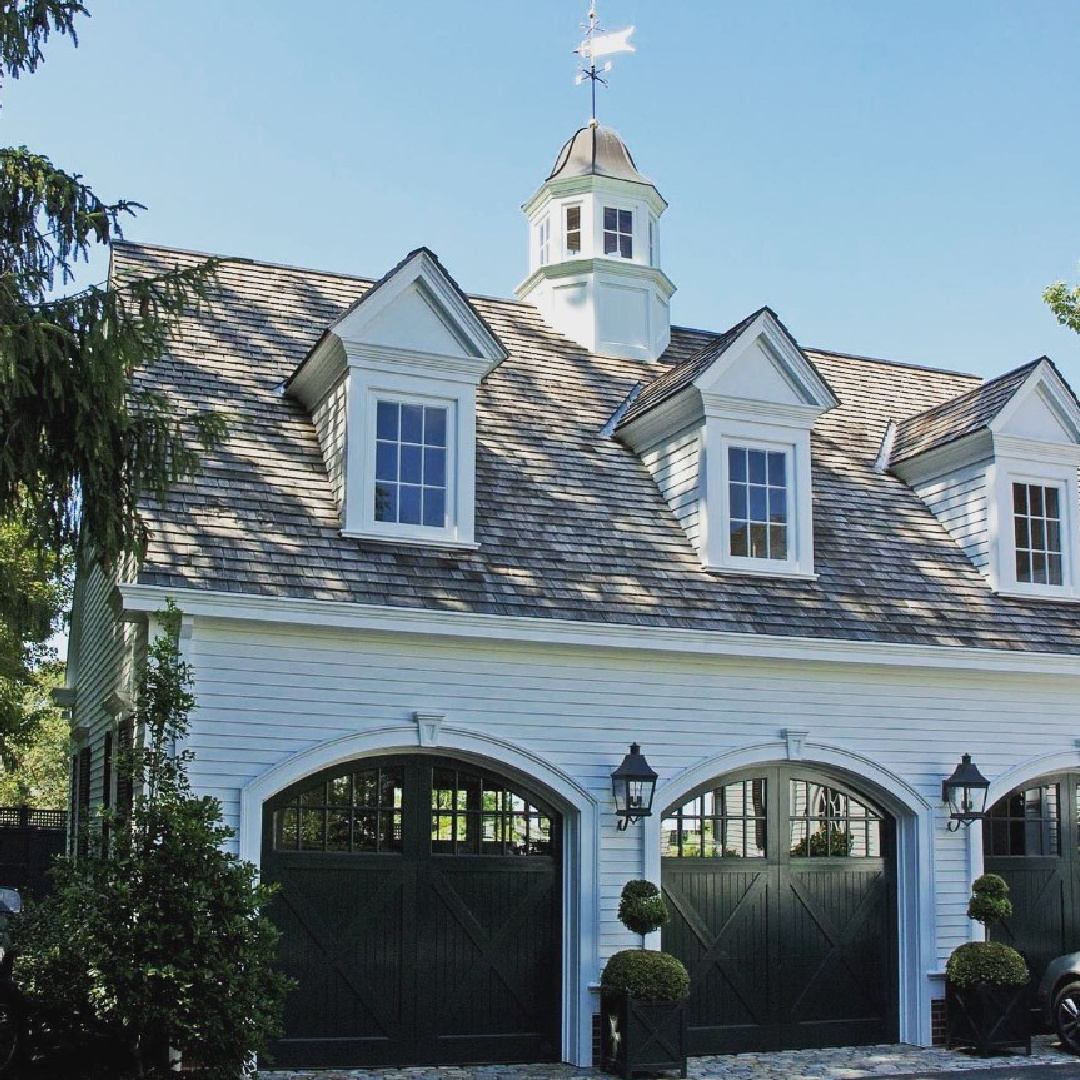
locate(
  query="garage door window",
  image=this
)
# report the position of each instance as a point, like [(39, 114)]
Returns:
[(827, 822), (358, 812), (725, 823), (478, 815), (1027, 823)]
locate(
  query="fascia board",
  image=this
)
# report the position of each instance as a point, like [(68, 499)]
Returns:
[(670, 416), (385, 360), (1034, 452), (318, 373), (720, 407), (1046, 382), (793, 366), (140, 600), (979, 446), (446, 301)]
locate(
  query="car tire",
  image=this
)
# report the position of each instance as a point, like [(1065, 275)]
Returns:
[(1067, 1016)]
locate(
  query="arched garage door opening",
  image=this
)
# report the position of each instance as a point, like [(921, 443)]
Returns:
[(420, 909), (782, 887), (1031, 838)]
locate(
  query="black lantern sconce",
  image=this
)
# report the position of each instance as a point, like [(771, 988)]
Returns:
[(633, 784), (965, 792)]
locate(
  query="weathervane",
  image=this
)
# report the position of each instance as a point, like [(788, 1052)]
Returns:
[(595, 45)]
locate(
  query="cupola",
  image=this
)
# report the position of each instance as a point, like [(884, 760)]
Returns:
[(594, 250)]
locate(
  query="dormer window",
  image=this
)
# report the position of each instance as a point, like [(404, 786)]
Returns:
[(1037, 529), (573, 230), (757, 503), (411, 464), (618, 232)]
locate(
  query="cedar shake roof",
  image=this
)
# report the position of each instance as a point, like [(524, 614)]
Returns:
[(570, 523), (963, 415)]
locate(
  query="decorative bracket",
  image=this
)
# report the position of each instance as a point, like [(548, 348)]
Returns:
[(428, 726), (796, 743), (118, 703)]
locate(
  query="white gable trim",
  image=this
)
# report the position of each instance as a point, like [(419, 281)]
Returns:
[(1045, 382), (785, 355)]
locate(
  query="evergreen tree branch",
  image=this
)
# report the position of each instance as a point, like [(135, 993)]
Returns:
[(25, 26)]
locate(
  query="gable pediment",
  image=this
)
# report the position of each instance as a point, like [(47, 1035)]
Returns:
[(1042, 410)]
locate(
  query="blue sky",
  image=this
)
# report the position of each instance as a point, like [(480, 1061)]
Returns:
[(896, 179)]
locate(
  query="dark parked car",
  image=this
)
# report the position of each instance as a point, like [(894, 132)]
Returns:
[(1058, 998), (11, 1011)]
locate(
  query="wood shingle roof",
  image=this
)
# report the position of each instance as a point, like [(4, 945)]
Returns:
[(570, 523)]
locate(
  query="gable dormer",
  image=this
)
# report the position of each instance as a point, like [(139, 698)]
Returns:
[(726, 434), (391, 388), (998, 467)]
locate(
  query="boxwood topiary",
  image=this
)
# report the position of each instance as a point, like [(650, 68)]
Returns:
[(647, 975), (641, 907), (989, 901), (991, 963)]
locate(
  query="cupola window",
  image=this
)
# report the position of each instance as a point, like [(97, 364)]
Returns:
[(1037, 526), (573, 230), (618, 232), (544, 238), (410, 464)]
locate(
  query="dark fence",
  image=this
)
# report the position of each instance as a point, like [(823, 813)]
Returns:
[(29, 839)]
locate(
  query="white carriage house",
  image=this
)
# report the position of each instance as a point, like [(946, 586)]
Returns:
[(457, 553)]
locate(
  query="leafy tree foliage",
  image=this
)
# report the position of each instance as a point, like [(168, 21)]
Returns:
[(34, 766), (1065, 304), (159, 940)]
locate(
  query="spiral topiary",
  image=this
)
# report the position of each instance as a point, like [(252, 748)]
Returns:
[(641, 907)]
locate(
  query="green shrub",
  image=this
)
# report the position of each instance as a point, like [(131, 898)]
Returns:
[(989, 962), (646, 974), (989, 902), (641, 907)]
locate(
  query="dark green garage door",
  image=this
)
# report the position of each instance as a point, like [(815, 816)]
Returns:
[(420, 910), (1031, 839), (781, 889)]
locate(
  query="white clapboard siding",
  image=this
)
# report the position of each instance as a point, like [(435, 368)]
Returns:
[(329, 420), (265, 694), (674, 463), (959, 501)]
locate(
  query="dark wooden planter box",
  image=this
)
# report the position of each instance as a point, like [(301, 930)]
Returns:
[(641, 1036), (988, 1018)]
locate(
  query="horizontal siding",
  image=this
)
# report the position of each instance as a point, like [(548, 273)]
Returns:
[(329, 420), (264, 695), (959, 502), (674, 463)]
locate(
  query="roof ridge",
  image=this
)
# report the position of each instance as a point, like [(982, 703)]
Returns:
[(909, 364)]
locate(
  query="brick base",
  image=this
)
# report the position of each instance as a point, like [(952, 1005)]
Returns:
[(596, 1040), (937, 1022)]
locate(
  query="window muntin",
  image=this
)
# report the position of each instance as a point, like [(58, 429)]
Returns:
[(722, 823), (1037, 534), (573, 230), (618, 232), (544, 240), (758, 518), (1026, 823), (411, 463), (473, 814), (828, 822), (358, 812)]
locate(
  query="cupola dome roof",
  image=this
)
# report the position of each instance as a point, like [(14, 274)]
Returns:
[(598, 151)]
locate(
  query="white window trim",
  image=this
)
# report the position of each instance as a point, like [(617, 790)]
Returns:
[(365, 391), (636, 245), (1001, 475), (582, 251), (718, 435)]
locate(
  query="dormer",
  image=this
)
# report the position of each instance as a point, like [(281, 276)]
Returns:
[(391, 389), (998, 467), (726, 434), (594, 250)]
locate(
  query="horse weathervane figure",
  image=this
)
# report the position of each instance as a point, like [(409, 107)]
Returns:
[(598, 44)]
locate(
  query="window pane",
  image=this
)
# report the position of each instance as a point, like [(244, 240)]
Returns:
[(777, 468), (611, 221), (611, 243), (626, 247), (756, 466), (409, 504), (759, 504), (738, 501), (1020, 504), (1035, 500), (386, 422), (1023, 534), (412, 458), (740, 538), (412, 423), (1054, 566), (1052, 503), (315, 796), (338, 826), (737, 464), (386, 502), (759, 539), (1023, 566), (386, 461), (434, 507), (626, 221), (340, 791), (287, 831), (434, 426), (435, 467), (778, 505), (778, 541)]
